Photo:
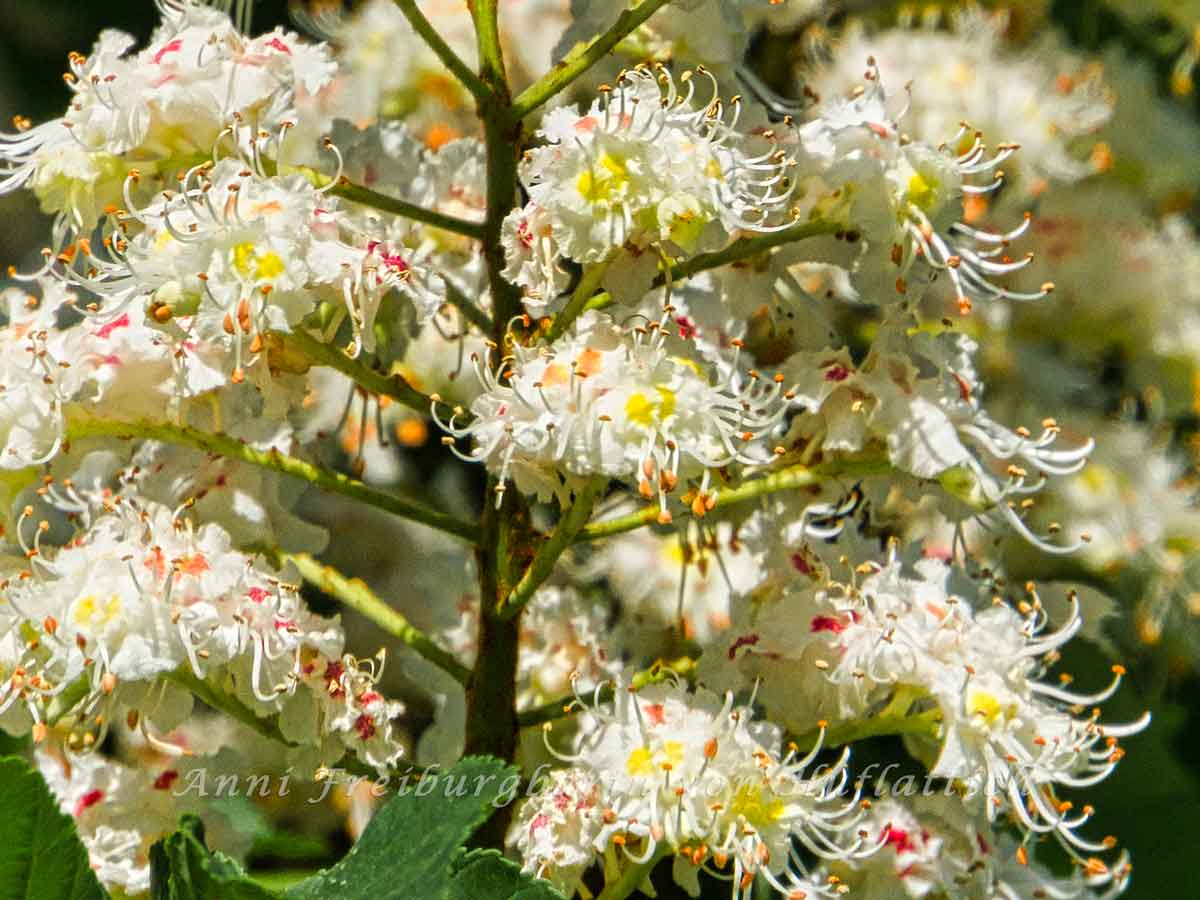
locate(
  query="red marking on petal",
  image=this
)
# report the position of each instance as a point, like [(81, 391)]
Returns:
[(170, 47), (87, 801), (746, 640), (898, 838), (827, 623), (105, 331)]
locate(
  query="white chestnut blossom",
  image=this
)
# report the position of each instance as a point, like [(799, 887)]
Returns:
[(657, 162), (141, 593), (936, 847), (682, 582), (611, 401), (690, 344), (895, 642), (919, 396), (1040, 97), (119, 811), (684, 773), (901, 202), (33, 385), (197, 83), (555, 831)]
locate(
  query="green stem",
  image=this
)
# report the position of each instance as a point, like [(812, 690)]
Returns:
[(323, 354), (80, 426), (228, 704), (746, 247), (502, 141), (684, 667), (267, 727), (473, 313), (632, 878), (491, 721), (588, 282), (65, 703), (364, 196), (791, 478), (448, 57), (354, 593), (552, 548), (742, 248), (582, 58), (884, 725)]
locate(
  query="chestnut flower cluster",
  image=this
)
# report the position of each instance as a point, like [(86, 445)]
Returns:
[(668, 437)]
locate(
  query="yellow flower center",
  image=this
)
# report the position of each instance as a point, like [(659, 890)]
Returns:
[(259, 266), (750, 804), (92, 612), (923, 191), (644, 762), (600, 183), (987, 705), (650, 411)]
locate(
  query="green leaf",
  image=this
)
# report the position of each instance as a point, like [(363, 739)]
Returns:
[(41, 856), (409, 849), (487, 874), (183, 868), (268, 840)]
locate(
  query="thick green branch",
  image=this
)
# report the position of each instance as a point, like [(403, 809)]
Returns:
[(582, 58), (502, 141), (323, 354), (552, 548), (79, 426), (354, 593), (791, 478), (364, 196), (449, 58), (491, 721)]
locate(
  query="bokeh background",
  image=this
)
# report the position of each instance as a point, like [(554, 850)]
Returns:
[(1154, 803)]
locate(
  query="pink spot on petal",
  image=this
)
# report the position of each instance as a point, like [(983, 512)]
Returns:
[(654, 712)]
